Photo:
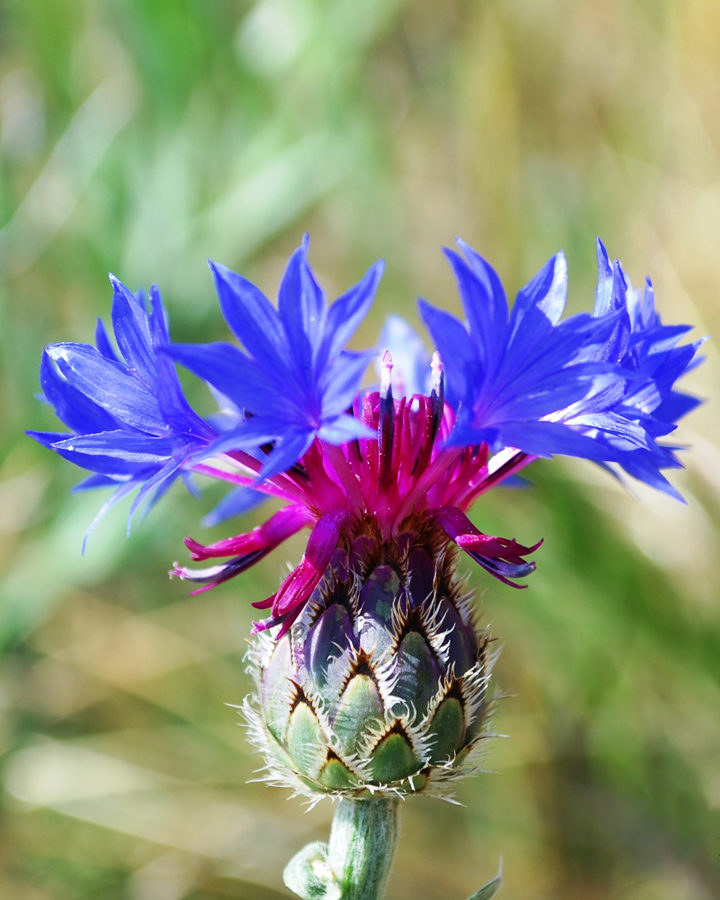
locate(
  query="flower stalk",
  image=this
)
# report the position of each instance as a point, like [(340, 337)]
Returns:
[(356, 862), (362, 846)]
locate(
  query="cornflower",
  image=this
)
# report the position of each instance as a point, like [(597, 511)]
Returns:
[(371, 671)]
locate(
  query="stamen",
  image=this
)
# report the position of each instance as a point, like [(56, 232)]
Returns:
[(386, 420), (437, 395), (423, 434)]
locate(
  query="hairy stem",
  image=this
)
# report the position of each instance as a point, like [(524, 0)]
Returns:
[(356, 863), (362, 846)]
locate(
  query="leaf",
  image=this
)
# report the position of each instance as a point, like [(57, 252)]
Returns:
[(308, 874), (490, 889)]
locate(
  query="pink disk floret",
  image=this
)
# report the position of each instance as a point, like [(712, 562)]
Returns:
[(401, 476)]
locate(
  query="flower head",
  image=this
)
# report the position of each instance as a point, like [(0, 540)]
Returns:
[(373, 468)]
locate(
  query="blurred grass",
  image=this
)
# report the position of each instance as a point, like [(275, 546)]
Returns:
[(141, 137)]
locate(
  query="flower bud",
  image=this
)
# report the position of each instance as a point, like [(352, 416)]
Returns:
[(381, 683)]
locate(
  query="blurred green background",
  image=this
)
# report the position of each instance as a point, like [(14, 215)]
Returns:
[(142, 136)]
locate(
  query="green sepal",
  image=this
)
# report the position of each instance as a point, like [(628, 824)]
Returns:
[(393, 759), (462, 756), (360, 711), (277, 689), (447, 729), (305, 741), (336, 776), (280, 755), (412, 784), (418, 673)]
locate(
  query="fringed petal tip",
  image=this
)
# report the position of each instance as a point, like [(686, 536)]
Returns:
[(285, 621), (503, 570), (501, 557)]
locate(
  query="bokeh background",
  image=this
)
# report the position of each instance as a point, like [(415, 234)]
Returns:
[(142, 136)]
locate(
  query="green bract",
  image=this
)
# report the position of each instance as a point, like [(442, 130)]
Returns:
[(381, 685)]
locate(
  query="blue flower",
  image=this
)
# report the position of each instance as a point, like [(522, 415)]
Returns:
[(131, 424), (598, 387), (645, 352), (295, 381), (511, 385)]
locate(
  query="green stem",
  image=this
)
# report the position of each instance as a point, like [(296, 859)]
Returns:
[(362, 846), (356, 863)]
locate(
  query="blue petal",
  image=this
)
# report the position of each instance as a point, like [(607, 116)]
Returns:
[(614, 425), (599, 387), (303, 307), (485, 307), (133, 426), (465, 434), (123, 445), (540, 304), (297, 378), (239, 500), (340, 383), (300, 310), (347, 312), (156, 485), (344, 429), (292, 446), (116, 496), (676, 405), (603, 292), (463, 370), (235, 375), (72, 406), (132, 333), (645, 469), (554, 438), (103, 342), (108, 464), (92, 482), (545, 397), (249, 434), (181, 419), (493, 318), (109, 385), (252, 318)]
